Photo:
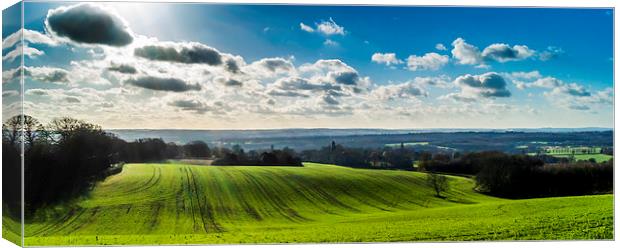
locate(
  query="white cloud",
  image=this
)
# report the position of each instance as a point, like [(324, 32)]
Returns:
[(329, 42), (306, 28), (440, 47), (430, 61), (327, 28), (385, 58), (330, 28), (398, 91), (30, 36), (551, 52), (17, 52), (465, 53)]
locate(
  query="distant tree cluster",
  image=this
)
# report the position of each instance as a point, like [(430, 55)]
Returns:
[(385, 157), (522, 176), (237, 156)]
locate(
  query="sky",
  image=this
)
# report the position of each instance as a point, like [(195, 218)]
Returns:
[(220, 66)]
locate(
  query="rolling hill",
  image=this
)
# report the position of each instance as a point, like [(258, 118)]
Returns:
[(191, 204)]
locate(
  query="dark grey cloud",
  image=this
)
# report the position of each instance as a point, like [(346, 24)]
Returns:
[(47, 74), (90, 24), (503, 52), (72, 99), (297, 83), (287, 93), (489, 84), (163, 84), (231, 66), (126, 69), (330, 100), (232, 82), (276, 64), (576, 90), (194, 54), (346, 77), (190, 105)]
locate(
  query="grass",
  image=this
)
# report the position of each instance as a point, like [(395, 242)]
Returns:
[(186, 204), (598, 157)]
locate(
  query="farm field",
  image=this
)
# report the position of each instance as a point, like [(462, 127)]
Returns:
[(191, 204), (598, 157)]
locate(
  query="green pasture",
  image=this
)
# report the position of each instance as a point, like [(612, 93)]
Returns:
[(194, 204), (598, 157)]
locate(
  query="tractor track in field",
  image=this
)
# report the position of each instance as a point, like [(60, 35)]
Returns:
[(318, 192), (90, 219), (247, 207), (58, 223), (188, 191), (205, 207), (71, 221), (274, 199)]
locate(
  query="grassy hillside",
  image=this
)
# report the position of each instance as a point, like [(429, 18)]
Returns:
[(178, 204)]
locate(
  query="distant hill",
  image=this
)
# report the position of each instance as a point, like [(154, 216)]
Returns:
[(460, 139)]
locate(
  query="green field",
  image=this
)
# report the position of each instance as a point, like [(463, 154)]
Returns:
[(187, 204), (598, 157)]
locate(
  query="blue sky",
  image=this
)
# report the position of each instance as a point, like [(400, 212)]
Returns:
[(530, 67)]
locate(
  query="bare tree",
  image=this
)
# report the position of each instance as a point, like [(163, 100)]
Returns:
[(438, 182)]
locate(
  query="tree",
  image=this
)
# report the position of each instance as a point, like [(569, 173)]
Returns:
[(197, 149), (438, 182)]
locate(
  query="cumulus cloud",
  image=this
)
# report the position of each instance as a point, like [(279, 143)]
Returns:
[(441, 81), (398, 91), (467, 54), (330, 28), (326, 28), (297, 83), (525, 75), (306, 28), (286, 93), (232, 66), (275, 65), (386, 58), (26, 50), (162, 84), (122, 68), (189, 53), (329, 42), (550, 53), (88, 24), (229, 81), (30, 36), (557, 86), (329, 99), (473, 87), (440, 47), (430, 61), (464, 53), (334, 71), (502, 52), (9, 93), (194, 105)]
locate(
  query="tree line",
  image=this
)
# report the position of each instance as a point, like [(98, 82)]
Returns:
[(522, 176), (65, 158)]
